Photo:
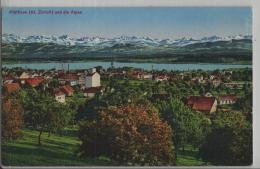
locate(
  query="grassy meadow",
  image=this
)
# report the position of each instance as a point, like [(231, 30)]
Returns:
[(59, 150)]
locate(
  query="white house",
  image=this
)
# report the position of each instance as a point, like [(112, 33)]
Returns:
[(92, 79), (24, 76), (147, 76), (227, 99), (70, 78), (59, 96), (161, 78), (91, 92)]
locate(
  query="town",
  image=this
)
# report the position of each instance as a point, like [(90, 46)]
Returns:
[(215, 90)]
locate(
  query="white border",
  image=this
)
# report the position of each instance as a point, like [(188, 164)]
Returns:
[(256, 84), (188, 3), (122, 3)]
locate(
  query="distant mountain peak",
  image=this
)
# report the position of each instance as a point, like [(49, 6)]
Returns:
[(110, 42)]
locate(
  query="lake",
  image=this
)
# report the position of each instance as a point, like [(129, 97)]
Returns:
[(145, 66)]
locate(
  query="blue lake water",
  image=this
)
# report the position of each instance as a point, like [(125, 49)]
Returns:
[(145, 66)]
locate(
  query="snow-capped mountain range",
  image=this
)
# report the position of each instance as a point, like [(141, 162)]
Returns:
[(101, 42)]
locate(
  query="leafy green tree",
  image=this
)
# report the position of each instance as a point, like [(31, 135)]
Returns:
[(122, 93), (230, 140), (202, 91), (189, 127), (90, 110), (245, 104), (43, 112), (54, 83), (216, 72)]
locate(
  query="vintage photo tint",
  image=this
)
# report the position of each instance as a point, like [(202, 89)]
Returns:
[(126, 86)]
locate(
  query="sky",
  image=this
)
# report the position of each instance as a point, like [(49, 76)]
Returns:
[(154, 22)]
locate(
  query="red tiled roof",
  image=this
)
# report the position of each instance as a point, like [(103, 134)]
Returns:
[(34, 81), (58, 92), (69, 77), (93, 89), (136, 74), (67, 89), (201, 103), (12, 87), (228, 97)]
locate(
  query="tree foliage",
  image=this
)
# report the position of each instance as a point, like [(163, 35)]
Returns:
[(12, 118), (132, 134), (229, 142), (245, 104), (43, 112), (189, 127)]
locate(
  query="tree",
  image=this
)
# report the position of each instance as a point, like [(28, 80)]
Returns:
[(189, 127), (229, 142), (202, 91), (12, 119), (90, 110), (245, 104), (131, 134), (43, 112), (122, 93), (216, 72)]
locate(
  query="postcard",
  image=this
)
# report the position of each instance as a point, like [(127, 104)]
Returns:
[(127, 86)]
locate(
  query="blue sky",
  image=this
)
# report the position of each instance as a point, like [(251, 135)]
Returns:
[(170, 22)]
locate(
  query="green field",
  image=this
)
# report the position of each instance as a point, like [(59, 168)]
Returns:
[(62, 151), (55, 151), (189, 157)]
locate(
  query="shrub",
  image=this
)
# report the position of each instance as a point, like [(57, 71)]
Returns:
[(132, 135)]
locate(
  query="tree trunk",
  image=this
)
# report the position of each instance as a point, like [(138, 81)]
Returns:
[(183, 147), (39, 137), (49, 133)]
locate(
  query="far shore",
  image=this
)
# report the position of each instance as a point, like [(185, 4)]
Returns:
[(121, 61)]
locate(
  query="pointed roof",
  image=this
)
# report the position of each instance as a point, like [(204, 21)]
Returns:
[(58, 92), (24, 75), (201, 103), (67, 89), (34, 81)]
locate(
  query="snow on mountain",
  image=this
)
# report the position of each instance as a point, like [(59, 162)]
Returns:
[(211, 39), (11, 38), (185, 41), (37, 39), (101, 42)]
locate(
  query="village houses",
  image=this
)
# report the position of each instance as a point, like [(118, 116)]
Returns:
[(59, 96), (227, 99), (92, 83), (203, 104)]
